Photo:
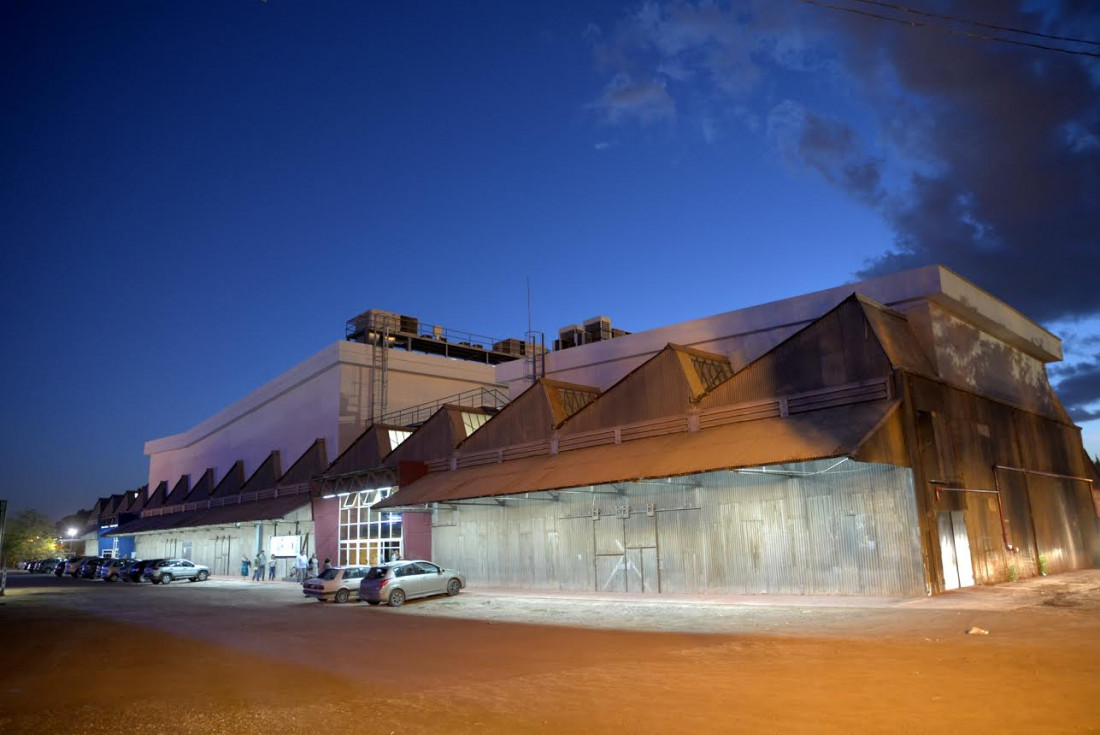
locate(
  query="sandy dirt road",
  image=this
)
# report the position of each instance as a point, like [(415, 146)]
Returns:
[(230, 657)]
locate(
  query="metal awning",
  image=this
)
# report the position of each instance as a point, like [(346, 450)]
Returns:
[(833, 432), (264, 510)]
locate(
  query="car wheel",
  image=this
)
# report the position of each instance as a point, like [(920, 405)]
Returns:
[(397, 598), (201, 576), (342, 595), (166, 578), (454, 587)]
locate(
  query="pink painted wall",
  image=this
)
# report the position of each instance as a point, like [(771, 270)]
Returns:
[(416, 535), (326, 528)]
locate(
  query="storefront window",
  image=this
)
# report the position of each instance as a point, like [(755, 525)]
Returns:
[(367, 537)]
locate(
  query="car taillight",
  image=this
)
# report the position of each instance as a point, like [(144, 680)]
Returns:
[(384, 582)]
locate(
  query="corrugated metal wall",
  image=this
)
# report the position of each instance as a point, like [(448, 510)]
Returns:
[(222, 548), (797, 529), (838, 348), (525, 419), (656, 389), (960, 438)]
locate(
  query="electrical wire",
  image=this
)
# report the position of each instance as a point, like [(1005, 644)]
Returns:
[(976, 23), (951, 31)]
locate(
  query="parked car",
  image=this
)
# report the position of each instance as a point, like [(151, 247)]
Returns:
[(72, 567), (111, 570), (135, 570), (164, 571), (48, 566), (62, 568), (398, 581), (89, 568), (335, 583)]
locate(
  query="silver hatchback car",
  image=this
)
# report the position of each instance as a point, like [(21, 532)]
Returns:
[(163, 571), (398, 581)]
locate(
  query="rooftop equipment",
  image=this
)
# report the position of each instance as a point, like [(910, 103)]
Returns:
[(386, 330), (596, 329)]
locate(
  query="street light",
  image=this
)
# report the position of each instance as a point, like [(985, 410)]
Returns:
[(70, 532)]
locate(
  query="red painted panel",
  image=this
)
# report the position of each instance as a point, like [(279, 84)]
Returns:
[(416, 532), (326, 527)]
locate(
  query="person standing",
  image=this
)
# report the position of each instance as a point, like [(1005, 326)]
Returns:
[(312, 567), (258, 565), (271, 568), (302, 564), (328, 564)]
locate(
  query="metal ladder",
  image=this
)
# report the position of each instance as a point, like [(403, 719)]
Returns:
[(380, 372)]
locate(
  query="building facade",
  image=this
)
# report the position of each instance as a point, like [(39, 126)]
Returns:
[(828, 444), (894, 437), (243, 497)]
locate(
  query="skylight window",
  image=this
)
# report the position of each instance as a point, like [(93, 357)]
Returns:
[(397, 436), (711, 372), (473, 421)]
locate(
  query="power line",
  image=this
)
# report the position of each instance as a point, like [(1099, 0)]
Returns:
[(952, 31), (976, 23)]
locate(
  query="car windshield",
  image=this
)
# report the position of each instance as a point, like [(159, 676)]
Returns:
[(329, 573), (376, 573)]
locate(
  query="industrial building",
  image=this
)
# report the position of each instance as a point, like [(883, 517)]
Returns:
[(894, 437), (389, 367)]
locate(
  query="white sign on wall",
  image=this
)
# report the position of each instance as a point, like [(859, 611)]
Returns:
[(285, 545)]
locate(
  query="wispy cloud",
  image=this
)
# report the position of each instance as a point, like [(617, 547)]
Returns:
[(645, 101)]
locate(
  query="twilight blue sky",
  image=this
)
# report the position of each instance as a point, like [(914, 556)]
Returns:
[(195, 196)]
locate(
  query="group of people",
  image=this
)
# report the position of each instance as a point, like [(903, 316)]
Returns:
[(306, 567)]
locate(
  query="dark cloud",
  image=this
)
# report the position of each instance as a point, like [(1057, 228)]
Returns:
[(1012, 201), (1079, 388), (829, 146), (994, 149)]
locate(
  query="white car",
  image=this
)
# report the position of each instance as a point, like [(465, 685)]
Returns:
[(335, 583)]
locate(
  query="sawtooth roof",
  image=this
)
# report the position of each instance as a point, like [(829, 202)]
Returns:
[(820, 434)]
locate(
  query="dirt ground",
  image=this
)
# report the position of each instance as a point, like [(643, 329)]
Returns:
[(233, 657)]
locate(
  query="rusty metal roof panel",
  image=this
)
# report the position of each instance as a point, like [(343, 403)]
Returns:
[(157, 497), (838, 348), (180, 492), (664, 385), (528, 417), (441, 434), (367, 451), (312, 462), (110, 508), (231, 483), (205, 486), (134, 501), (820, 434), (532, 416), (266, 475), (263, 510), (897, 338)]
